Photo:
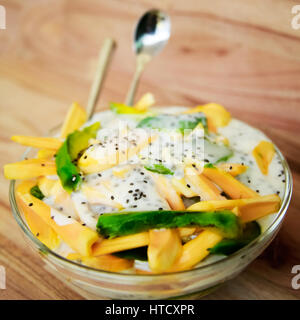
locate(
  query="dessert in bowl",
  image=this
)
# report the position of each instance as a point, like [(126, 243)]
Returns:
[(146, 202)]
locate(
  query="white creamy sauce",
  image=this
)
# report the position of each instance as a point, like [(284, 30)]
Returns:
[(65, 206), (243, 139), (142, 265), (135, 190), (85, 214), (60, 218), (53, 177), (63, 249)]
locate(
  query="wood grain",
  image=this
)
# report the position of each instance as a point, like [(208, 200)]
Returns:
[(242, 54)]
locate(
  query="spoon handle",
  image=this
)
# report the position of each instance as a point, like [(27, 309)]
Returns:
[(133, 87), (103, 62), (142, 60)]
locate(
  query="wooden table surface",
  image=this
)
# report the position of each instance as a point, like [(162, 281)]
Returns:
[(242, 54)]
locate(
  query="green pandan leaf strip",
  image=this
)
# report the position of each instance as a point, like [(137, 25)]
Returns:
[(121, 108), (36, 192), (228, 246), (159, 168), (133, 254), (75, 142), (174, 122), (68, 173), (125, 223), (79, 140), (209, 165)]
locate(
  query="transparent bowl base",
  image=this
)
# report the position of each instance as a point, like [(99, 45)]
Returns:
[(177, 286)]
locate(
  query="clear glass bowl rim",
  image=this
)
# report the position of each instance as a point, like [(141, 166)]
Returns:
[(96, 272)]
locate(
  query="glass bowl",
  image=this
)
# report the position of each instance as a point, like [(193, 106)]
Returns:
[(197, 282)]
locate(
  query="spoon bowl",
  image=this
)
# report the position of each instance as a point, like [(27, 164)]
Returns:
[(152, 32)]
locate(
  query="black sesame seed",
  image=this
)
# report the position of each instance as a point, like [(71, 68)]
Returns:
[(194, 165), (137, 190), (135, 206), (43, 164), (230, 168), (283, 181), (99, 175), (277, 192), (223, 194), (131, 183), (85, 157), (30, 204), (37, 234), (160, 209), (112, 197), (188, 185), (83, 224), (257, 191), (52, 217), (142, 173), (69, 217), (127, 200), (145, 181), (130, 191)]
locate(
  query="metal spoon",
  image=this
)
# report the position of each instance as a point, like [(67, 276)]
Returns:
[(151, 35)]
